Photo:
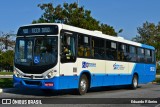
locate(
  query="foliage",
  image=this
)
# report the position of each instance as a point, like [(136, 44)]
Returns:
[(6, 82), (158, 68), (157, 80), (6, 59), (158, 72), (73, 15), (149, 34), (6, 73)]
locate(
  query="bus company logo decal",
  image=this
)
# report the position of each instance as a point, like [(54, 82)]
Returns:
[(118, 67), (87, 64)]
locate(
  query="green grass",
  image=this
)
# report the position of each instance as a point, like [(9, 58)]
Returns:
[(6, 73), (6, 82)]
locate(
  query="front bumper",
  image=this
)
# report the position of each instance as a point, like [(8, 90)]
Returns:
[(35, 84)]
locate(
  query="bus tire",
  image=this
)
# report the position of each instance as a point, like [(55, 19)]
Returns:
[(83, 85), (134, 84)]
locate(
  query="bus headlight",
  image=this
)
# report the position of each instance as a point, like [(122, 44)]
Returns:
[(50, 75), (17, 74)]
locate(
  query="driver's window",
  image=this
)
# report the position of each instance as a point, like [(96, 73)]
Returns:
[(67, 47)]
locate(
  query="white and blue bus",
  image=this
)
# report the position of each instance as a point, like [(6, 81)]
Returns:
[(58, 56)]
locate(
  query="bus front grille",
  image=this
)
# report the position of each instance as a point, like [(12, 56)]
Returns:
[(33, 82), (38, 77)]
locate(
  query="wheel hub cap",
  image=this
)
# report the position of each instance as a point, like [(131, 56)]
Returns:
[(83, 85)]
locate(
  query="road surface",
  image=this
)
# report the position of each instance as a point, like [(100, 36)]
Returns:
[(144, 91)]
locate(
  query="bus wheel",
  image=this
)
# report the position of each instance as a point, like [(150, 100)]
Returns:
[(134, 84), (83, 85)]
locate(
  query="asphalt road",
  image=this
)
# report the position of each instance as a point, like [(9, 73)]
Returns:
[(144, 91)]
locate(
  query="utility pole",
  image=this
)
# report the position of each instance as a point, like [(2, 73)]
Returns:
[(6, 41)]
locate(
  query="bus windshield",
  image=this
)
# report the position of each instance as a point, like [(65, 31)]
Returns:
[(36, 51)]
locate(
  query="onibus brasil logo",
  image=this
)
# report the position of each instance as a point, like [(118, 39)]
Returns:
[(118, 67)]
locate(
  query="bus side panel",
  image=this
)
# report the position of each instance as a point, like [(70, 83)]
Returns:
[(68, 78), (149, 73), (68, 82), (122, 79), (137, 68), (109, 80), (117, 73), (150, 70), (96, 69), (144, 71), (97, 80)]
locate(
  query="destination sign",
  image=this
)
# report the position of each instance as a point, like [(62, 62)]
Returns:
[(38, 30)]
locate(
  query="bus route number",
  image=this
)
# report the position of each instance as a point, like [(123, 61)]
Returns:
[(41, 30), (36, 30), (25, 31)]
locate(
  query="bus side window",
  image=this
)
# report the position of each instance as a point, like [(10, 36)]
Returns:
[(132, 54), (140, 57), (111, 50), (67, 47), (98, 51), (153, 57), (84, 49), (81, 51), (80, 45), (121, 52), (148, 58), (87, 52)]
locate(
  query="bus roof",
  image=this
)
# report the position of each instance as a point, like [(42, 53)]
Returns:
[(96, 34)]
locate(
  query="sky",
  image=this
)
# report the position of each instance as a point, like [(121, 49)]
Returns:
[(121, 14)]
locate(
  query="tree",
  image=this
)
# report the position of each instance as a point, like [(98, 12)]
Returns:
[(73, 15), (6, 55), (7, 59), (4, 39), (149, 34), (106, 29)]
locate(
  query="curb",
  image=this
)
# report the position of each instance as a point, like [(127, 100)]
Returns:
[(6, 75), (5, 89)]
